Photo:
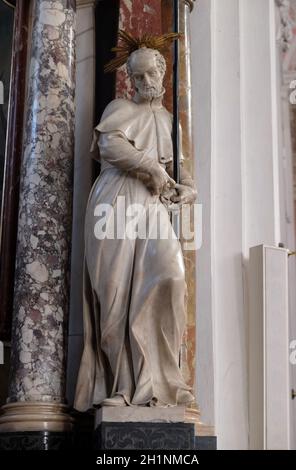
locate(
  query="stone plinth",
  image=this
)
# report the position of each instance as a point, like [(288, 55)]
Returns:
[(142, 428), (143, 414)]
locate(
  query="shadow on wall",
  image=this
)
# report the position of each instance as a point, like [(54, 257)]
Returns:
[(4, 376), (293, 134)]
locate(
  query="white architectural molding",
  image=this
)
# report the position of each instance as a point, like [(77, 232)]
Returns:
[(269, 389), (235, 75)]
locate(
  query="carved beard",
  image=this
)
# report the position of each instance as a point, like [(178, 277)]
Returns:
[(151, 92)]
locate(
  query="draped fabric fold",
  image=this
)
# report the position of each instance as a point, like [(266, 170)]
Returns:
[(134, 288)]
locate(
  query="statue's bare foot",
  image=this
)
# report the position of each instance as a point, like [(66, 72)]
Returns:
[(117, 400)]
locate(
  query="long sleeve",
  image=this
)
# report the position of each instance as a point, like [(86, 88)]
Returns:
[(119, 152)]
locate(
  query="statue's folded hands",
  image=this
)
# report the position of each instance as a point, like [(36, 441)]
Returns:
[(185, 195)]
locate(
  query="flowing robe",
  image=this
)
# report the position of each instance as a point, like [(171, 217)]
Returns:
[(134, 289)]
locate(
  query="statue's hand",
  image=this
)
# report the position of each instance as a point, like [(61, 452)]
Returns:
[(185, 195), (159, 181), (166, 198)]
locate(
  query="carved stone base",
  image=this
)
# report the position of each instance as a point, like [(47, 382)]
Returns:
[(108, 436), (142, 427), (41, 426), (36, 441), (35, 416), (144, 436)]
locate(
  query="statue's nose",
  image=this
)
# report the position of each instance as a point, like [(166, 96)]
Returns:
[(147, 79)]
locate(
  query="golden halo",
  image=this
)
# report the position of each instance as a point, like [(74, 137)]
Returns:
[(128, 44)]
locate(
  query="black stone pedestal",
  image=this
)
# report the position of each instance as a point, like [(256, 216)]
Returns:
[(34, 440), (144, 436), (116, 436), (205, 442)]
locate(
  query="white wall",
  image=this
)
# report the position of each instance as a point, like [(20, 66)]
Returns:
[(288, 218), (236, 132), (236, 139), (201, 71)]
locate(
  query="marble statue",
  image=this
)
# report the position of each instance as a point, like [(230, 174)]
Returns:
[(134, 289)]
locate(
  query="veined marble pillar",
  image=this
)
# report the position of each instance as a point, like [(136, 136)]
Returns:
[(37, 382), (188, 356), (185, 104)]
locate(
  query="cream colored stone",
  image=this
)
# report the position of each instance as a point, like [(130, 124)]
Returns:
[(56, 140), (25, 357), (31, 198), (34, 178), (39, 147), (37, 271), (50, 16), (56, 273), (34, 241), (35, 416), (28, 384), (62, 71), (40, 117), (59, 314), (51, 63), (52, 127), (21, 314), (27, 336), (53, 33), (53, 100), (44, 296), (128, 4), (47, 310), (42, 101), (140, 414)]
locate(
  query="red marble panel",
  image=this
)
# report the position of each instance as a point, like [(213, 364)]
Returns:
[(137, 17)]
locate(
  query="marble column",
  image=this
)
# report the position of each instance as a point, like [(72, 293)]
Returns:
[(37, 383), (188, 356), (205, 434), (185, 104)]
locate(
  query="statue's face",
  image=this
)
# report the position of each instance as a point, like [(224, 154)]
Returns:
[(147, 76)]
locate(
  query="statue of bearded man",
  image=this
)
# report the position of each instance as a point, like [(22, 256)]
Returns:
[(134, 287)]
